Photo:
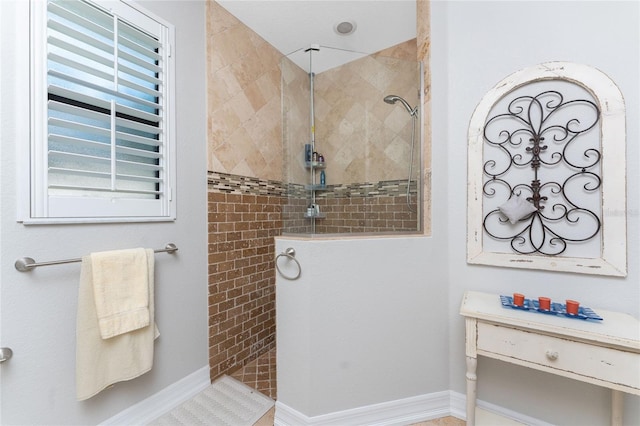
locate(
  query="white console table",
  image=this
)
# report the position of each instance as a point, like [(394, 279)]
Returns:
[(605, 353)]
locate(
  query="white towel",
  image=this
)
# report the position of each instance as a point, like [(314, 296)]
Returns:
[(103, 362), (121, 290)]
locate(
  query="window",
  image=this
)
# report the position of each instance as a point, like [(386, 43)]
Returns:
[(547, 172), (102, 117)]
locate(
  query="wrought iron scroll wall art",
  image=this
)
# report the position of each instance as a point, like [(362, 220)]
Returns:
[(546, 178), (545, 171)]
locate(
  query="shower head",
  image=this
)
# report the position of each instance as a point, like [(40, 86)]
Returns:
[(392, 99)]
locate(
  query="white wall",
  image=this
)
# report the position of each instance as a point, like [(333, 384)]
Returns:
[(476, 44), (365, 323), (368, 320), (39, 307)]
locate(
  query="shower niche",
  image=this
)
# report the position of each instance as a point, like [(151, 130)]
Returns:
[(352, 141)]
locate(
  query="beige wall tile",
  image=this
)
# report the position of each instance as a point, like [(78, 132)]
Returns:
[(243, 87)]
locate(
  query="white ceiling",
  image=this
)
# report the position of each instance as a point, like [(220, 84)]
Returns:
[(295, 25)]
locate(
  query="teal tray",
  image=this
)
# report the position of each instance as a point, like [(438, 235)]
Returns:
[(556, 309)]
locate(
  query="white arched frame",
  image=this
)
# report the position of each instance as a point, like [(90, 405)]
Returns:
[(612, 259)]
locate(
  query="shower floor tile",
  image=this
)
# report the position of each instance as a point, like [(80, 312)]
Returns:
[(260, 374)]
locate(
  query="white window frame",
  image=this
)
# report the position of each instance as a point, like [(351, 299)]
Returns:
[(613, 254), (35, 204)]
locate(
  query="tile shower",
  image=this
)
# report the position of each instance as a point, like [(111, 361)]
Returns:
[(379, 207), (251, 199), (244, 141), (371, 149), (243, 222)]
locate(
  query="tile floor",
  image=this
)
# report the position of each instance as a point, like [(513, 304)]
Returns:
[(260, 374)]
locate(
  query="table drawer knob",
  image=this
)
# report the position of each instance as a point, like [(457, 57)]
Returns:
[(552, 355)]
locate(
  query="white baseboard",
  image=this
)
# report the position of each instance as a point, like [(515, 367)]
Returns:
[(401, 412), (164, 401), (459, 404), (392, 413)]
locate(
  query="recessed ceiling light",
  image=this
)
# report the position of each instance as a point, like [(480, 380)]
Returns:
[(345, 27)]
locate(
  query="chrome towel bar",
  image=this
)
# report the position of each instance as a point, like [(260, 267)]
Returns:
[(26, 264)]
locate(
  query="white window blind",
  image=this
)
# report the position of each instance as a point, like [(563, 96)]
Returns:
[(103, 143)]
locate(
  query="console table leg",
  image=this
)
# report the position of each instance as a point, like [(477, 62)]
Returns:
[(472, 364), (617, 399)]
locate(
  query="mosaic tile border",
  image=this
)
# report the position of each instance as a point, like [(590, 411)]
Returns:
[(235, 184), (385, 188)]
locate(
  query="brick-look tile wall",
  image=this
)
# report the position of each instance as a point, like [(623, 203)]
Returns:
[(352, 215), (244, 216), (366, 214), (371, 207), (293, 216), (241, 277)]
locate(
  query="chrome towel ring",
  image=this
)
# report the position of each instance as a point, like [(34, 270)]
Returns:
[(291, 254)]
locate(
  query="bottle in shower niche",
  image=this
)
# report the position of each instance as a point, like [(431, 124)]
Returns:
[(307, 152), (323, 178)]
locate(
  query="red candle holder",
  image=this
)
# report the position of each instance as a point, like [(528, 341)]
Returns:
[(518, 299), (544, 303), (572, 307)]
